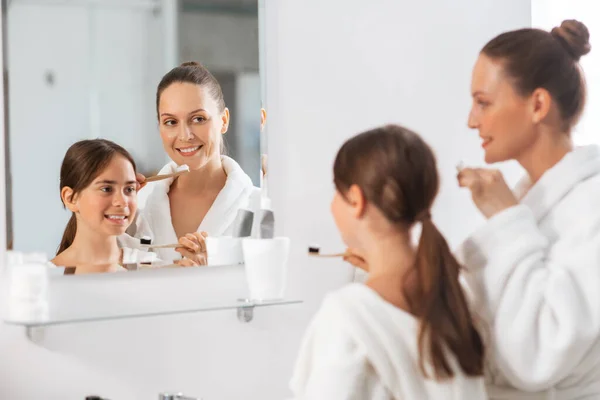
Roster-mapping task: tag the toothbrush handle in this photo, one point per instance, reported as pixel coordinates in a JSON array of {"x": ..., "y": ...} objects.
[
  {"x": 166, "y": 176},
  {"x": 327, "y": 255},
  {"x": 162, "y": 246}
]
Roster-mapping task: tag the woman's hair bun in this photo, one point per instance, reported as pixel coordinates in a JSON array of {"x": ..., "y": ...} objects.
[
  {"x": 190, "y": 64},
  {"x": 574, "y": 36}
]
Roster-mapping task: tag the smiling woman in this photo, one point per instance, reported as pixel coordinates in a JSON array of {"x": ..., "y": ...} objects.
[{"x": 192, "y": 119}]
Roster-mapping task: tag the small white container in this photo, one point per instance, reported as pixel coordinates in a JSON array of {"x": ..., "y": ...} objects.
[
  {"x": 29, "y": 282},
  {"x": 28, "y": 293},
  {"x": 224, "y": 250},
  {"x": 266, "y": 267}
]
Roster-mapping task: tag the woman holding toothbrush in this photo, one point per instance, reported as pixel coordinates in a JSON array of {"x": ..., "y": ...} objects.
[
  {"x": 192, "y": 119},
  {"x": 534, "y": 267}
]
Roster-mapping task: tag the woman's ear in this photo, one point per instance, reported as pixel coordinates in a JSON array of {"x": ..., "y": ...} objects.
[
  {"x": 225, "y": 120},
  {"x": 356, "y": 198},
  {"x": 69, "y": 199},
  {"x": 541, "y": 102},
  {"x": 263, "y": 118}
]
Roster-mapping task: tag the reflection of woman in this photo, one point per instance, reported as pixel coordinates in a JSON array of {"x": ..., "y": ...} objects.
[
  {"x": 193, "y": 118},
  {"x": 98, "y": 185},
  {"x": 407, "y": 333},
  {"x": 535, "y": 265}
]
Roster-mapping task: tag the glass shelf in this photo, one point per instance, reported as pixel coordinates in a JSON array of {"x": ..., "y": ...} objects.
[{"x": 245, "y": 309}]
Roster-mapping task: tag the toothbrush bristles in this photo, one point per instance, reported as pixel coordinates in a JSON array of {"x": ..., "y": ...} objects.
[{"x": 314, "y": 250}]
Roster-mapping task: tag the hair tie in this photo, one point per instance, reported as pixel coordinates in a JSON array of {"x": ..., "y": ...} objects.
[{"x": 424, "y": 216}]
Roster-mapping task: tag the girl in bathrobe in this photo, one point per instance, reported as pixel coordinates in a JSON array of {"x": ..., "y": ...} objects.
[
  {"x": 192, "y": 120},
  {"x": 534, "y": 267},
  {"x": 98, "y": 185},
  {"x": 407, "y": 333}
]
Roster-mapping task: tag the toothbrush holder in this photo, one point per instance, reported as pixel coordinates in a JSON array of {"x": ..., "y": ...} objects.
[
  {"x": 224, "y": 250},
  {"x": 266, "y": 265}
]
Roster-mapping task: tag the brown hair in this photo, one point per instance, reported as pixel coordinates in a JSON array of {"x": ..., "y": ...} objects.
[
  {"x": 192, "y": 72},
  {"x": 534, "y": 59},
  {"x": 397, "y": 172},
  {"x": 83, "y": 162}
]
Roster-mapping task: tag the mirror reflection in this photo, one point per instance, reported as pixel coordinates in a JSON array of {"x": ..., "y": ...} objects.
[{"x": 134, "y": 132}]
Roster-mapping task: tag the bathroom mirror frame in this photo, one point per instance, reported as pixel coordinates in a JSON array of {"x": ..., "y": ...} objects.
[
  {"x": 6, "y": 230},
  {"x": 112, "y": 296},
  {"x": 171, "y": 57}
]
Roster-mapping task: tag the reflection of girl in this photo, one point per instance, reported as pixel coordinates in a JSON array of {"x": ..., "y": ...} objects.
[
  {"x": 535, "y": 265},
  {"x": 98, "y": 185},
  {"x": 407, "y": 333},
  {"x": 193, "y": 118}
]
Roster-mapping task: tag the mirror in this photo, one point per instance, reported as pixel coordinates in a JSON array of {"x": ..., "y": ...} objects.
[{"x": 90, "y": 69}]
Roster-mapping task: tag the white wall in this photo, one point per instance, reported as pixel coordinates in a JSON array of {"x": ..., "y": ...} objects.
[
  {"x": 546, "y": 14},
  {"x": 385, "y": 61},
  {"x": 335, "y": 68}
]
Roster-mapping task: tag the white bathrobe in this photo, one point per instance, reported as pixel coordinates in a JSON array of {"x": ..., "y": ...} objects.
[
  {"x": 154, "y": 215},
  {"x": 360, "y": 347},
  {"x": 534, "y": 273}
]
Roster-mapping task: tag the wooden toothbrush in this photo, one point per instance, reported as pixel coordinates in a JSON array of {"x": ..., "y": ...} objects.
[
  {"x": 182, "y": 169},
  {"x": 162, "y": 246},
  {"x": 146, "y": 243},
  {"x": 315, "y": 251}
]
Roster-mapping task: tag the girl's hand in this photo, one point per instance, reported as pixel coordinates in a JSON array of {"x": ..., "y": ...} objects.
[
  {"x": 356, "y": 260},
  {"x": 141, "y": 181}
]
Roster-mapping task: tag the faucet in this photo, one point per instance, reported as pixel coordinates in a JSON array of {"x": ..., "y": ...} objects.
[{"x": 175, "y": 396}]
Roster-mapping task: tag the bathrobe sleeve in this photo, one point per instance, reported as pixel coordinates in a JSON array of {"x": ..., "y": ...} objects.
[
  {"x": 331, "y": 366},
  {"x": 542, "y": 295}
]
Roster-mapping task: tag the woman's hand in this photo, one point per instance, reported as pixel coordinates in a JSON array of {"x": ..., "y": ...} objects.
[
  {"x": 489, "y": 190},
  {"x": 194, "y": 249},
  {"x": 356, "y": 260},
  {"x": 185, "y": 262},
  {"x": 141, "y": 181}
]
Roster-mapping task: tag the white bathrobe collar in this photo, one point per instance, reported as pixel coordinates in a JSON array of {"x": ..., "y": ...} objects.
[
  {"x": 575, "y": 167},
  {"x": 219, "y": 217}
]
